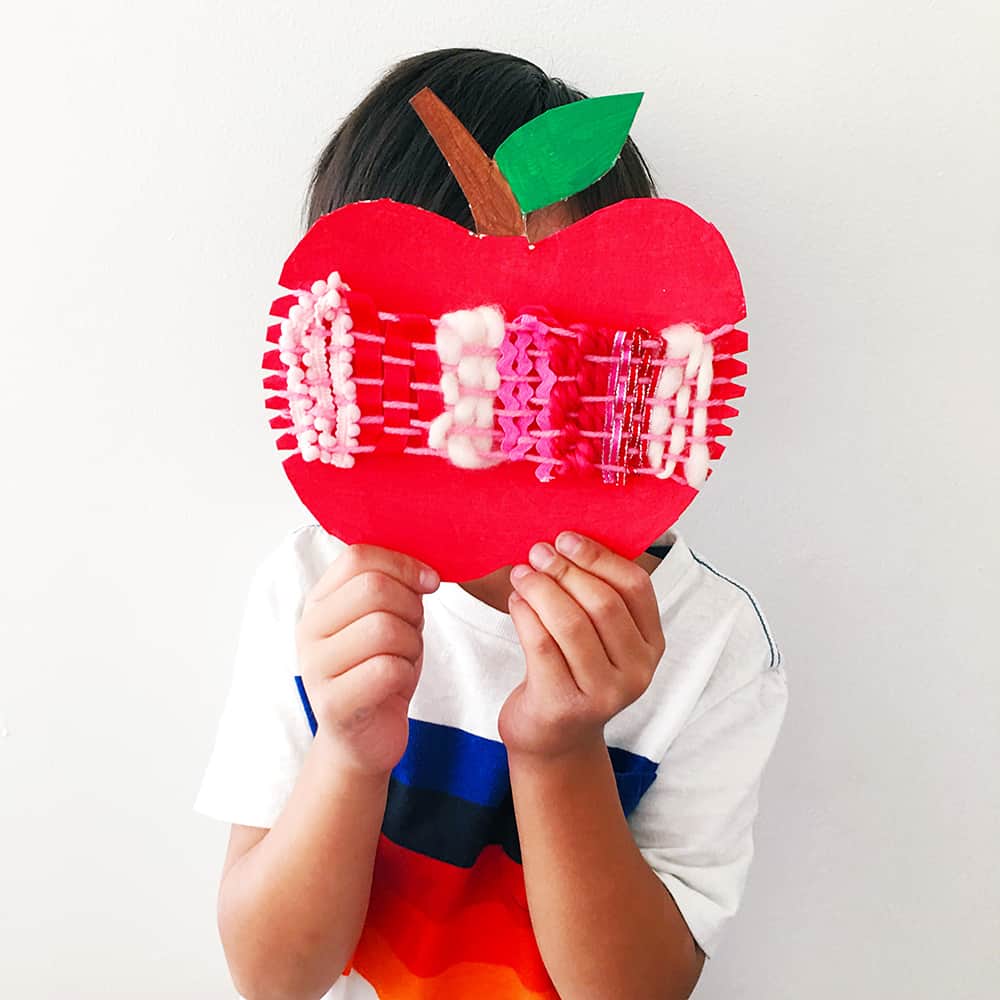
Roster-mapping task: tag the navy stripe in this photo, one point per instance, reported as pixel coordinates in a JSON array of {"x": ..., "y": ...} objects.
[
  {"x": 775, "y": 652},
  {"x": 452, "y": 830},
  {"x": 660, "y": 551},
  {"x": 421, "y": 816}
]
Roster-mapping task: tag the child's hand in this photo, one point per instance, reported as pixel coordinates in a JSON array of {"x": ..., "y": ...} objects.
[
  {"x": 590, "y": 629},
  {"x": 361, "y": 651}
]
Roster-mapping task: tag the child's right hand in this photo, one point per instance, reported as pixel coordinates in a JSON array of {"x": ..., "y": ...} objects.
[{"x": 360, "y": 652}]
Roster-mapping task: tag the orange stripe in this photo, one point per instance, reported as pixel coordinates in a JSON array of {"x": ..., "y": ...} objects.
[
  {"x": 391, "y": 980},
  {"x": 438, "y": 917}
]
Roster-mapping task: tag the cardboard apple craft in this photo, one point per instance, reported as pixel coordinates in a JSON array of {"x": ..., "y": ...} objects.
[{"x": 459, "y": 396}]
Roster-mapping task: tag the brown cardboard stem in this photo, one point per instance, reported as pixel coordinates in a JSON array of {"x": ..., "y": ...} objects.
[{"x": 494, "y": 208}]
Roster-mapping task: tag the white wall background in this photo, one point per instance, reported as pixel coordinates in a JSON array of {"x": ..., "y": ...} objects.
[{"x": 156, "y": 157}]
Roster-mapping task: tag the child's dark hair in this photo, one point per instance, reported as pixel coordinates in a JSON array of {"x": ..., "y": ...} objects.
[{"x": 383, "y": 150}]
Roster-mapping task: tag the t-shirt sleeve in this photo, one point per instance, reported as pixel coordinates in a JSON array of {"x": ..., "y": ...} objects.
[
  {"x": 263, "y": 733},
  {"x": 694, "y": 824}
]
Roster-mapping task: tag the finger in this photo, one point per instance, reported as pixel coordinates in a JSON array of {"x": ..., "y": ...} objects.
[
  {"x": 367, "y": 685},
  {"x": 369, "y": 591},
  {"x": 630, "y": 580},
  {"x": 377, "y": 634},
  {"x": 568, "y": 624},
  {"x": 357, "y": 559},
  {"x": 547, "y": 670},
  {"x": 608, "y": 613}
]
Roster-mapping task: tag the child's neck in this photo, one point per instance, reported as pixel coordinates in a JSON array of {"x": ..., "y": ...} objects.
[{"x": 495, "y": 588}]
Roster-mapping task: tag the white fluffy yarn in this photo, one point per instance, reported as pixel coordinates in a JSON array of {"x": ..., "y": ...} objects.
[
  {"x": 672, "y": 404},
  {"x": 468, "y": 343}
]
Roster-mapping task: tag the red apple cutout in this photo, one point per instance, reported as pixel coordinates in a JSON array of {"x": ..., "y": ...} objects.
[{"x": 645, "y": 264}]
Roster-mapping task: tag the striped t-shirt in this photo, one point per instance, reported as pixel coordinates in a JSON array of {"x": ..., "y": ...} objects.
[{"x": 448, "y": 915}]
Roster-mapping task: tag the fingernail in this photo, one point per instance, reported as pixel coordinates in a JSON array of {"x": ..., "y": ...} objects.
[
  {"x": 541, "y": 555},
  {"x": 569, "y": 542},
  {"x": 519, "y": 572},
  {"x": 429, "y": 580},
  {"x": 515, "y": 598}
]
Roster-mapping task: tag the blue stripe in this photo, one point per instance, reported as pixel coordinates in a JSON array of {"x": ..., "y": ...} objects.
[
  {"x": 633, "y": 775},
  {"x": 775, "y": 652},
  {"x": 469, "y": 767},
  {"x": 305, "y": 704},
  {"x": 450, "y": 761}
]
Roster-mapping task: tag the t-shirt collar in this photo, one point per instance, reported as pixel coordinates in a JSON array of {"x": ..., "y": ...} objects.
[{"x": 482, "y": 616}]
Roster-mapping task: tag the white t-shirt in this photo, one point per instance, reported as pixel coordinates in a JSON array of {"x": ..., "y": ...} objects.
[{"x": 448, "y": 899}]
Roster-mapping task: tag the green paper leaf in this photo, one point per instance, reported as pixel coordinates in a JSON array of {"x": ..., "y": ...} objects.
[{"x": 565, "y": 149}]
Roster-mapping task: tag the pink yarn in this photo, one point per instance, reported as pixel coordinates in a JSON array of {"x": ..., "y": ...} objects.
[
  {"x": 615, "y": 411},
  {"x": 316, "y": 346},
  {"x": 576, "y": 447},
  {"x": 542, "y": 398},
  {"x": 516, "y": 391}
]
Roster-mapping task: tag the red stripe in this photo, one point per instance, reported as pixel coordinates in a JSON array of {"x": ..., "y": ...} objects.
[
  {"x": 396, "y": 389},
  {"x": 366, "y": 361}
]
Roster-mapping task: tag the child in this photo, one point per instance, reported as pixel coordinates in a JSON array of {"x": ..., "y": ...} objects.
[{"x": 539, "y": 783}]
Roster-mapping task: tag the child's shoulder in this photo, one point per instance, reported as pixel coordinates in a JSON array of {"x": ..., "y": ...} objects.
[
  {"x": 301, "y": 556},
  {"x": 729, "y": 596},
  {"x": 720, "y": 677},
  {"x": 718, "y": 635}
]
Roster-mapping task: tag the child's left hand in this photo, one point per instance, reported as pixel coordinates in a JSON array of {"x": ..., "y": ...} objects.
[{"x": 590, "y": 628}]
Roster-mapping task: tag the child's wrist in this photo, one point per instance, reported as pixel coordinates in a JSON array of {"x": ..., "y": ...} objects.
[{"x": 344, "y": 764}]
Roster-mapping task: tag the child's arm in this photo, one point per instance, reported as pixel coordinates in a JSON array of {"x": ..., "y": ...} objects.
[
  {"x": 592, "y": 638},
  {"x": 620, "y": 907},
  {"x": 604, "y": 922},
  {"x": 293, "y": 899}
]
